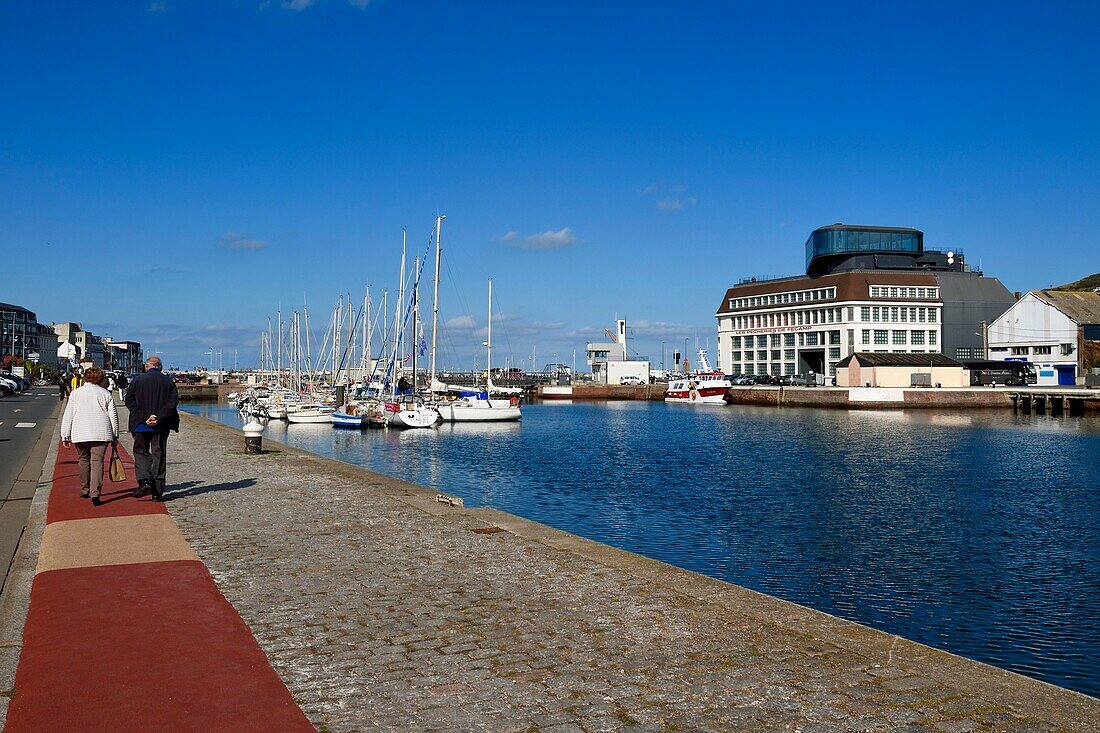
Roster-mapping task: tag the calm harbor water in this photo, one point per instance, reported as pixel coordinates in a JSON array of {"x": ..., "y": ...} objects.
[{"x": 976, "y": 532}]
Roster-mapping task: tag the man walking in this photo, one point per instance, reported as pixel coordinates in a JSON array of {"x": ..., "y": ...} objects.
[{"x": 152, "y": 399}]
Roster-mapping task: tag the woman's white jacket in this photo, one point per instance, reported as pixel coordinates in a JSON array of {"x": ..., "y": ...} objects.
[{"x": 90, "y": 415}]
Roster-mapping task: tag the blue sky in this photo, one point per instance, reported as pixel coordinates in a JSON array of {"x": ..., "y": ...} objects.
[{"x": 171, "y": 171}]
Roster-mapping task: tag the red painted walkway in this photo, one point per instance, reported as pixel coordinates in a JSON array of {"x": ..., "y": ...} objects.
[{"x": 134, "y": 645}]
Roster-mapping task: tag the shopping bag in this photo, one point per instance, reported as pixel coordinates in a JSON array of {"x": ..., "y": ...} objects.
[{"x": 118, "y": 471}]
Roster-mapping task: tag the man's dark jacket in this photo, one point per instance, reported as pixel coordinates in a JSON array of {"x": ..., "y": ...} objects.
[{"x": 153, "y": 393}]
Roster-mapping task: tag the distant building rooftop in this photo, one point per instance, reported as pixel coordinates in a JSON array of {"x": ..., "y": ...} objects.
[
  {"x": 1081, "y": 306},
  {"x": 899, "y": 360}
]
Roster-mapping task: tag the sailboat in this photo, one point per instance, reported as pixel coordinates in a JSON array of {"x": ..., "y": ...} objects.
[
  {"x": 474, "y": 405},
  {"x": 409, "y": 411}
]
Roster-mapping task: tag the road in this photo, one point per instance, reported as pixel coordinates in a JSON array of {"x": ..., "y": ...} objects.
[{"x": 27, "y": 423}]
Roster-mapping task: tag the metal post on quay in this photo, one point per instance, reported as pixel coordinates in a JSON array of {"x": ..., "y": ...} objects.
[{"x": 253, "y": 435}]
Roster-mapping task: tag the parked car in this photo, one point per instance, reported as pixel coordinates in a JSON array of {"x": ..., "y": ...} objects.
[
  {"x": 794, "y": 380},
  {"x": 631, "y": 380},
  {"x": 23, "y": 384},
  {"x": 10, "y": 384}
]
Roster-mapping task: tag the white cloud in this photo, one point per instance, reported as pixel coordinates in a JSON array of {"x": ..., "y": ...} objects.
[
  {"x": 158, "y": 6},
  {"x": 461, "y": 323},
  {"x": 240, "y": 240},
  {"x": 671, "y": 197},
  {"x": 549, "y": 239},
  {"x": 508, "y": 236},
  {"x": 675, "y": 204}
]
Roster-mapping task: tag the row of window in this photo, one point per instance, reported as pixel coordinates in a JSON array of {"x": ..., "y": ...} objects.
[
  {"x": 897, "y": 314},
  {"x": 797, "y": 296},
  {"x": 867, "y": 314},
  {"x": 1065, "y": 350},
  {"x": 790, "y": 318},
  {"x": 882, "y": 336},
  {"x": 812, "y": 338},
  {"x": 777, "y": 368},
  {"x": 883, "y": 291},
  {"x": 774, "y": 369}
]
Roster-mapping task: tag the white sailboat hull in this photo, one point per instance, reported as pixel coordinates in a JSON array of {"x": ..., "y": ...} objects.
[
  {"x": 300, "y": 418},
  {"x": 406, "y": 416},
  {"x": 479, "y": 411}
]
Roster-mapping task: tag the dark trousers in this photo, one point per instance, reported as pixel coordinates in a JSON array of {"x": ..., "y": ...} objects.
[{"x": 151, "y": 457}]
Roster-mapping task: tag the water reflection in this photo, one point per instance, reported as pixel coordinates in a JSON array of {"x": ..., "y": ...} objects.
[{"x": 977, "y": 532}]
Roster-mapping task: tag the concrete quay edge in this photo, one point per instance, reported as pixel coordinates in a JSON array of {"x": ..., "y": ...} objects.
[{"x": 1067, "y": 709}]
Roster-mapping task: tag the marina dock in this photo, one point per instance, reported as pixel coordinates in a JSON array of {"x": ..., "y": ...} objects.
[{"x": 381, "y": 608}]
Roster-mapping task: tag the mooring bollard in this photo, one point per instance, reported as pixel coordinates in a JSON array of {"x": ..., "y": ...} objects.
[{"x": 253, "y": 435}]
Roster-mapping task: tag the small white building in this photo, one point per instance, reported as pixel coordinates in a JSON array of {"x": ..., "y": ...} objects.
[
  {"x": 602, "y": 353},
  {"x": 1052, "y": 329}
]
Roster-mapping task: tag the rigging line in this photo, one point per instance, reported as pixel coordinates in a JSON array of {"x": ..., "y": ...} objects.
[
  {"x": 460, "y": 296},
  {"x": 504, "y": 327}
]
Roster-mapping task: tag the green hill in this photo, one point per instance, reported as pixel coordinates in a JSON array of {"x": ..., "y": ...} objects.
[{"x": 1085, "y": 283}]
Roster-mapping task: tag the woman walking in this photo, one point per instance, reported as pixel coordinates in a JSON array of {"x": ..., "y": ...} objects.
[{"x": 90, "y": 423}]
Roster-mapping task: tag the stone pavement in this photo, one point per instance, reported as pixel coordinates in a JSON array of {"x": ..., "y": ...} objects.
[{"x": 384, "y": 610}]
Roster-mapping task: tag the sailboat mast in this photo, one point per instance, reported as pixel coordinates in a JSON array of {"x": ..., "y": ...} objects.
[
  {"x": 279, "y": 358},
  {"x": 489, "y": 342},
  {"x": 398, "y": 327},
  {"x": 435, "y": 300},
  {"x": 416, "y": 320},
  {"x": 365, "y": 351}
]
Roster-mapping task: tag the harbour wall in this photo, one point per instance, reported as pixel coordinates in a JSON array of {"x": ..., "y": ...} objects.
[
  {"x": 197, "y": 392},
  {"x": 855, "y": 398},
  {"x": 879, "y": 398}
]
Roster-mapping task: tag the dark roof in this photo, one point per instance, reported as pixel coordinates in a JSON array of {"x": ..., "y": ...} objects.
[
  {"x": 16, "y": 308},
  {"x": 838, "y": 227},
  {"x": 898, "y": 360},
  {"x": 1081, "y": 306},
  {"x": 851, "y": 285}
]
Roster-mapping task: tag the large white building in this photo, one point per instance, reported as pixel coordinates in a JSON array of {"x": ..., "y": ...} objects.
[
  {"x": 1052, "y": 329},
  {"x": 866, "y": 289}
]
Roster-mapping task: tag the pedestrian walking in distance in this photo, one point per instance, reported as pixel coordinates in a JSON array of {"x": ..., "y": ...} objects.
[
  {"x": 62, "y": 388},
  {"x": 90, "y": 423},
  {"x": 152, "y": 399}
]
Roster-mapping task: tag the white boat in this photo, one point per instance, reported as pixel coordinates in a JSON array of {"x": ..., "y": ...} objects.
[
  {"x": 478, "y": 407},
  {"x": 474, "y": 405},
  {"x": 704, "y": 387},
  {"x": 410, "y": 414},
  {"x": 311, "y": 412}
]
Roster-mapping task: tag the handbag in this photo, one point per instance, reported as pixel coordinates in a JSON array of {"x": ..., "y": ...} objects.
[{"x": 118, "y": 471}]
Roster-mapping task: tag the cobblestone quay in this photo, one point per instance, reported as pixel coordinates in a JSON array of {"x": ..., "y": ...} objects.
[{"x": 383, "y": 609}]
